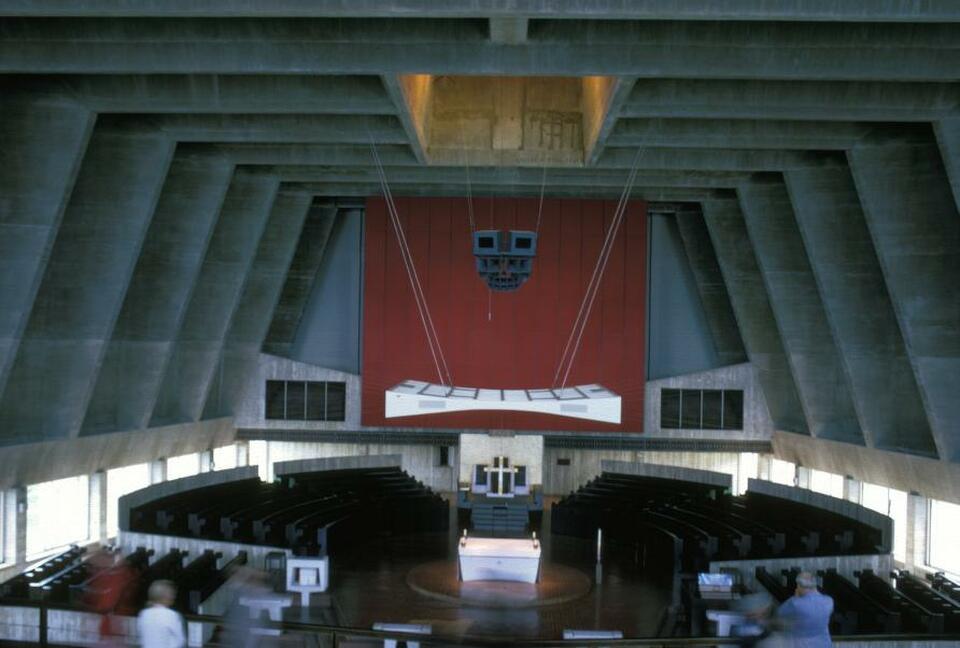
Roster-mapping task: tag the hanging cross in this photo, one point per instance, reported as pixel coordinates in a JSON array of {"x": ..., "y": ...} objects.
[{"x": 500, "y": 467}]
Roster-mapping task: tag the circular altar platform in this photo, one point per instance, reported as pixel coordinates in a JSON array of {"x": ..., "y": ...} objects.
[{"x": 439, "y": 580}]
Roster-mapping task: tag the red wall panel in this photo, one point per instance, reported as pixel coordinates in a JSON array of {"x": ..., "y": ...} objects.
[{"x": 504, "y": 340}]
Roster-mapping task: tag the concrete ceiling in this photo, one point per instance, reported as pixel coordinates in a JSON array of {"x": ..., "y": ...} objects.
[{"x": 167, "y": 167}]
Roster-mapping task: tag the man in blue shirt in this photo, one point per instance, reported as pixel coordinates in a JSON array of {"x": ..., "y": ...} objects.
[{"x": 806, "y": 615}]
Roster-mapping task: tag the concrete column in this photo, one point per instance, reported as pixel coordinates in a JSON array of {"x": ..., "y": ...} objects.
[
  {"x": 915, "y": 227},
  {"x": 43, "y": 144},
  {"x": 751, "y": 305},
  {"x": 214, "y": 298},
  {"x": 158, "y": 470},
  {"x": 156, "y": 300},
  {"x": 798, "y": 311},
  {"x": 802, "y": 479},
  {"x": 948, "y": 139},
  {"x": 80, "y": 296},
  {"x": 9, "y": 540},
  {"x": 852, "y": 489},
  {"x": 918, "y": 512},
  {"x": 98, "y": 506},
  {"x": 20, "y": 525},
  {"x": 299, "y": 281},
  {"x": 859, "y": 310},
  {"x": 243, "y": 453},
  {"x": 713, "y": 292},
  {"x": 258, "y": 299},
  {"x": 763, "y": 467},
  {"x": 206, "y": 461}
]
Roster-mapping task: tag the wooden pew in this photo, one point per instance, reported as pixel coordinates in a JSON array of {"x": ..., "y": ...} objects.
[
  {"x": 925, "y": 596},
  {"x": 915, "y": 617}
]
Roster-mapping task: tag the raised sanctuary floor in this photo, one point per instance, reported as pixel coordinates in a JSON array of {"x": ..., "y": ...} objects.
[{"x": 413, "y": 579}]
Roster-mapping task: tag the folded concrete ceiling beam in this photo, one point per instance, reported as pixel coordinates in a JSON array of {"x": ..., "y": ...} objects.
[
  {"x": 156, "y": 301},
  {"x": 778, "y": 50},
  {"x": 913, "y": 220},
  {"x": 84, "y": 282},
  {"x": 798, "y": 312},
  {"x": 859, "y": 310},
  {"x": 228, "y": 259}
]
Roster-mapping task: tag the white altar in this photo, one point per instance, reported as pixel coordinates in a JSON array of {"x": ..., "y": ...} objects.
[{"x": 503, "y": 559}]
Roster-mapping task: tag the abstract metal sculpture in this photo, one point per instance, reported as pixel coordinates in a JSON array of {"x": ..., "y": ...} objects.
[{"x": 504, "y": 258}]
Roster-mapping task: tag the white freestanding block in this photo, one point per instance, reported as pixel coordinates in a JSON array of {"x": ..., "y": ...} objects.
[
  {"x": 503, "y": 559},
  {"x": 307, "y": 575}
]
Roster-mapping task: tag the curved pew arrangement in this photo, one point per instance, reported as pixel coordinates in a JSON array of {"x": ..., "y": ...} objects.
[
  {"x": 686, "y": 525},
  {"x": 309, "y": 513},
  {"x": 199, "y": 536},
  {"x": 680, "y": 527},
  {"x": 69, "y": 579}
]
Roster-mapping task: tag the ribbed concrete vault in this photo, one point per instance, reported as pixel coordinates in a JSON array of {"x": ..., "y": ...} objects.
[{"x": 169, "y": 175}]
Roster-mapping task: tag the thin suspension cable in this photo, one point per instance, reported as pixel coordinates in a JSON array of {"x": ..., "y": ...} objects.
[
  {"x": 583, "y": 314},
  {"x": 466, "y": 162},
  {"x": 420, "y": 291},
  {"x": 614, "y": 227},
  {"x": 583, "y": 303},
  {"x": 586, "y": 318},
  {"x": 543, "y": 184},
  {"x": 433, "y": 339},
  {"x": 594, "y": 289},
  {"x": 388, "y": 197}
]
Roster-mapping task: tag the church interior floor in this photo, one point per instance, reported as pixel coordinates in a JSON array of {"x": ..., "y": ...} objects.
[{"x": 370, "y": 584}]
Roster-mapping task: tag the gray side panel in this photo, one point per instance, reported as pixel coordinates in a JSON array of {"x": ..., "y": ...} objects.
[
  {"x": 329, "y": 332},
  {"x": 679, "y": 336}
]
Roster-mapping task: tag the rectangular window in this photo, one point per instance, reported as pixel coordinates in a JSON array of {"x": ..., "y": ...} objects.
[
  {"x": 276, "y": 399},
  {"x": 225, "y": 457},
  {"x": 712, "y": 409},
  {"x": 695, "y": 409},
  {"x": 898, "y": 511},
  {"x": 670, "y": 409},
  {"x": 336, "y": 401},
  {"x": 943, "y": 551},
  {"x": 563, "y": 462},
  {"x": 690, "y": 409},
  {"x": 732, "y": 409},
  {"x": 316, "y": 401},
  {"x": 121, "y": 481},
  {"x": 782, "y": 472},
  {"x": 58, "y": 514},
  {"x": 186, "y": 465},
  {"x": 298, "y": 400},
  {"x": 444, "y": 459},
  {"x": 826, "y": 483}
]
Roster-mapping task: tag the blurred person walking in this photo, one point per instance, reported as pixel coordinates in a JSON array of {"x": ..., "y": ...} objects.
[{"x": 158, "y": 625}]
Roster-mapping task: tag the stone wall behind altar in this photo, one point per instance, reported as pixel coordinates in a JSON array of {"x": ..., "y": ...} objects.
[{"x": 522, "y": 450}]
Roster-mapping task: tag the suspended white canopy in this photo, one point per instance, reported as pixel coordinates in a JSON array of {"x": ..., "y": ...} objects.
[{"x": 590, "y": 402}]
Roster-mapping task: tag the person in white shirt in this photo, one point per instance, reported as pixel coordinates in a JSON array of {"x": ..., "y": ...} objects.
[{"x": 158, "y": 625}]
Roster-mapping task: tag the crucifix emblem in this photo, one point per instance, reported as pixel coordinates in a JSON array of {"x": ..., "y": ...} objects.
[{"x": 501, "y": 466}]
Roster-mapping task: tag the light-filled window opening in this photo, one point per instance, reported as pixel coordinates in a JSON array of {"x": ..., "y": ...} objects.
[
  {"x": 748, "y": 467},
  {"x": 827, "y": 483},
  {"x": 893, "y": 503},
  {"x": 121, "y": 481},
  {"x": 782, "y": 472},
  {"x": 183, "y": 466},
  {"x": 58, "y": 514},
  {"x": 259, "y": 456},
  {"x": 943, "y": 551},
  {"x": 225, "y": 457},
  {"x": 3, "y": 530},
  {"x": 898, "y": 511}
]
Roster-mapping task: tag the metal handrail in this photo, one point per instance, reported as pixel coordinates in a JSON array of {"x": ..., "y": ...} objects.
[{"x": 336, "y": 633}]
